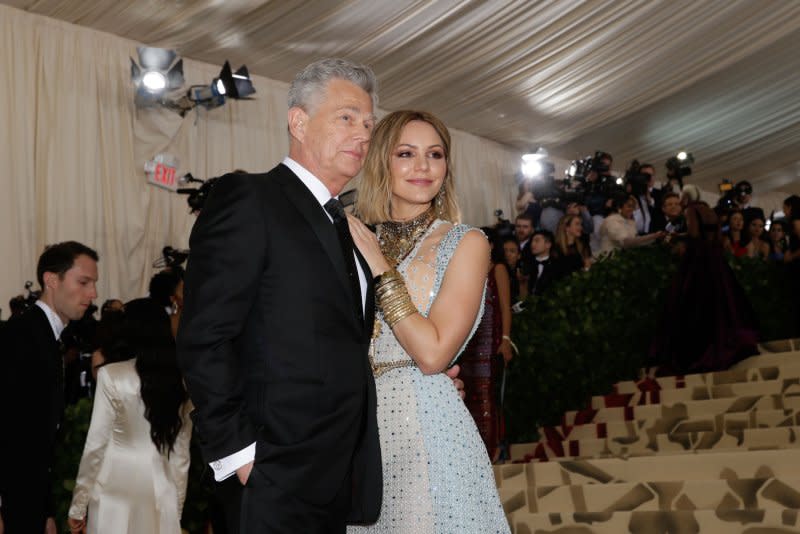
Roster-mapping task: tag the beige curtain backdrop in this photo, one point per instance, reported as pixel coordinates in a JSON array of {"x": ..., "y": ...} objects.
[{"x": 73, "y": 148}]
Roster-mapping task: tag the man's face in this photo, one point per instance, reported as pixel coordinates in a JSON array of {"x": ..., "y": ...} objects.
[
  {"x": 651, "y": 172},
  {"x": 523, "y": 228},
  {"x": 335, "y": 135},
  {"x": 540, "y": 245},
  {"x": 672, "y": 207},
  {"x": 73, "y": 292}
]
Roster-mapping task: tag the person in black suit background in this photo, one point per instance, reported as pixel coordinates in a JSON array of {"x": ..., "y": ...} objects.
[
  {"x": 32, "y": 385},
  {"x": 545, "y": 269},
  {"x": 277, "y": 320}
]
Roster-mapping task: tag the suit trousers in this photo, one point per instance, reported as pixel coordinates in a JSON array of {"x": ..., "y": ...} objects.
[{"x": 261, "y": 507}]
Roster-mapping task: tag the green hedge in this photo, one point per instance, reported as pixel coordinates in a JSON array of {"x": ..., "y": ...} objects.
[{"x": 595, "y": 328}]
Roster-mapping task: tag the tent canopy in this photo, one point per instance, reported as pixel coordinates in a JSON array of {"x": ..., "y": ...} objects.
[{"x": 639, "y": 79}]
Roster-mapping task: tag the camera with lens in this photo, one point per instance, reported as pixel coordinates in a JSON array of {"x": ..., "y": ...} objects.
[
  {"x": 678, "y": 167},
  {"x": 637, "y": 181},
  {"x": 197, "y": 195},
  {"x": 503, "y": 227},
  {"x": 590, "y": 182}
]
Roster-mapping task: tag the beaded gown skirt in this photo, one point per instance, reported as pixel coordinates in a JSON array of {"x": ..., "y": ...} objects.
[{"x": 437, "y": 477}]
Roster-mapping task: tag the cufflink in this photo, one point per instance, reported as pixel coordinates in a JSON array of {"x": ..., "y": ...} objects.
[{"x": 216, "y": 466}]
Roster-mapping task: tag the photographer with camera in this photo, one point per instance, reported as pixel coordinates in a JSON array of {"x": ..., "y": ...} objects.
[
  {"x": 640, "y": 182},
  {"x": 742, "y": 197}
]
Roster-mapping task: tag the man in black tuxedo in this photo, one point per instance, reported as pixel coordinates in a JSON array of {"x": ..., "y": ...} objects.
[
  {"x": 32, "y": 385},
  {"x": 544, "y": 268},
  {"x": 278, "y": 314}
]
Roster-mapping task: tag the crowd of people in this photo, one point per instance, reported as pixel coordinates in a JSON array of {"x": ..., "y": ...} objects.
[
  {"x": 634, "y": 212},
  {"x": 315, "y": 356}
]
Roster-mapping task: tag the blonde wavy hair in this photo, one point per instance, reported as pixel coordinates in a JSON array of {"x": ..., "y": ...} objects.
[
  {"x": 562, "y": 241},
  {"x": 374, "y": 203}
]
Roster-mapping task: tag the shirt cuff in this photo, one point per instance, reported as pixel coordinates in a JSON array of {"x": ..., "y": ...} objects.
[{"x": 226, "y": 467}]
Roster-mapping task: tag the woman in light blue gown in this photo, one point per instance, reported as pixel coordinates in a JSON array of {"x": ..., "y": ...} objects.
[{"x": 429, "y": 296}]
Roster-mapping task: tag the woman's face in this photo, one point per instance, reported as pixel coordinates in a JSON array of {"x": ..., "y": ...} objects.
[
  {"x": 511, "y": 252},
  {"x": 575, "y": 228},
  {"x": 776, "y": 233},
  {"x": 736, "y": 222},
  {"x": 756, "y": 228},
  {"x": 628, "y": 208},
  {"x": 418, "y": 166}
]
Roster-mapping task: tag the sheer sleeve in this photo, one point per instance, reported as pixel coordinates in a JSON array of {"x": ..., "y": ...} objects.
[{"x": 100, "y": 432}]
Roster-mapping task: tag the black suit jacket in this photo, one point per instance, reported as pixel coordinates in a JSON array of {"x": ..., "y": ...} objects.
[
  {"x": 272, "y": 343},
  {"x": 553, "y": 270},
  {"x": 31, "y": 410}
]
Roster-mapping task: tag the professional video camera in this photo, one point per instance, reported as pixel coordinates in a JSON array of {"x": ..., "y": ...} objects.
[
  {"x": 20, "y": 303},
  {"x": 503, "y": 227},
  {"x": 678, "y": 167},
  {"x": 638, "y": 181},
  {"x": 197, "y": 195},
  {"x": 590, "y": 182},
  {"x": 171, "y": 258}
]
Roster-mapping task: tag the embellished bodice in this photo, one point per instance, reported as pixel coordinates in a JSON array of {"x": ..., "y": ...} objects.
[{"x": 423, "y": 270}]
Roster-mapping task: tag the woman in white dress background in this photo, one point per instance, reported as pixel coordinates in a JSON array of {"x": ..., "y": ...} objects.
[{"x": 133, "y": 472}]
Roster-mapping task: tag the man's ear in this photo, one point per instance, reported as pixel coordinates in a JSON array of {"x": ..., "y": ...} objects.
[
  {"x": 298, "y": 120},
  {"x": 49, "y": 280}
]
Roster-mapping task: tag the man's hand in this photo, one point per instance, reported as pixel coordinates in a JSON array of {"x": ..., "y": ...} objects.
[
  {"x": 50, "y": 526},
  {"x": 2, "y": 527},
  {"x": 244, "y": 472},
  {"x": 76, "y": 525},
  {"x": 457, "y": 382}
]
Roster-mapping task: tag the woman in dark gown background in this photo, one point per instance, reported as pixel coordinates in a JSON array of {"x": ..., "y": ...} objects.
[{"x": 708, "y": 324}]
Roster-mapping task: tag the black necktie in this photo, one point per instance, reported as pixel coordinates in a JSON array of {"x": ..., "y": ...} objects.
[{"x": 336, "y": 210}]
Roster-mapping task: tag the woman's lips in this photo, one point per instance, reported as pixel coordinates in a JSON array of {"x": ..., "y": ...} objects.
[{"x": 420, "y": 182}]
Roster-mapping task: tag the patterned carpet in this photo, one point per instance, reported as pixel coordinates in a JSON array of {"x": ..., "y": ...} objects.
[{"x": 706, "y": 453}]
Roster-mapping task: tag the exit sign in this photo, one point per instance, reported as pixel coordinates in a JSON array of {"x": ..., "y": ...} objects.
[{"x": 162, "y": 171}]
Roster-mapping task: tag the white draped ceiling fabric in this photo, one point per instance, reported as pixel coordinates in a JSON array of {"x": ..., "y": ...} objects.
[
  {"x": 637, "y": 78},
  {"x": 73, "y": 148}
]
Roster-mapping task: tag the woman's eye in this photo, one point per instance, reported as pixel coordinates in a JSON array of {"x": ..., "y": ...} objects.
[
  {"x": 404, "y": 154},
  {"x": 436, "y": 155},
  {"x": 346, "y": 117}
]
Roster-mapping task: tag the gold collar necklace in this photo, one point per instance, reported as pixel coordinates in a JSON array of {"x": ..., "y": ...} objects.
[{"x": 398, "y": 238}]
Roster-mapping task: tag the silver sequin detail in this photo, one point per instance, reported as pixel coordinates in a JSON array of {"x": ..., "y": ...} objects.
[{"x": 437, "y": 477}]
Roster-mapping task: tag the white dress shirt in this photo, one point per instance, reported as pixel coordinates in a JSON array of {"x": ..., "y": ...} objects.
[
  {"x": 52, "y": 317},
  {"x": 226, "y": 467}
]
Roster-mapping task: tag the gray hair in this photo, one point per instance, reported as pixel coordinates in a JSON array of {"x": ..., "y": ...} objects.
[{"x": 310, "y": 83}]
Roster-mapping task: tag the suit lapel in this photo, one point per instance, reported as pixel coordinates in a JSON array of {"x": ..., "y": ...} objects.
[{"x": 313, "y": 213}]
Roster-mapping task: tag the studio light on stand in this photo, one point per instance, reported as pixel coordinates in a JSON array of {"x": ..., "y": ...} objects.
[
  {"x": 228, "y": 84},
  {"x": 156, "y": 74}
]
